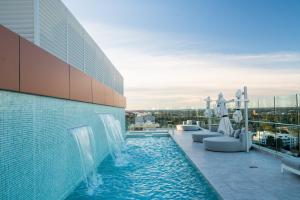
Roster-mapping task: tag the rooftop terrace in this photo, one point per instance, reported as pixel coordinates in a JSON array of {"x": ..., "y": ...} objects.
[{"x": 233, "y": 175}]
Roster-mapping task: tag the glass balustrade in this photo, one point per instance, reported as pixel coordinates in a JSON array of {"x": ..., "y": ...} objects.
[{"x": 274, "y": 121}]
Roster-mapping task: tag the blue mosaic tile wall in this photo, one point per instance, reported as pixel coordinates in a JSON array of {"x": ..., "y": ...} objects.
[{"x": 38, "y": 156}]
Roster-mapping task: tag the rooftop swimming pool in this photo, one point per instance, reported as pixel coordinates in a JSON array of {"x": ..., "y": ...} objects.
[{"x": 153, "y": 168}]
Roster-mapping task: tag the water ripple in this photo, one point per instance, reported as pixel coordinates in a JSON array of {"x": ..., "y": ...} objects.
[{"x": 156, "y": 169}]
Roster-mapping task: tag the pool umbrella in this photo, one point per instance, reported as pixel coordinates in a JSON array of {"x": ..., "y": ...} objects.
[
  {"x": 225, "y": 124},
  {"x": 237, "y": 115},
  {"x": 208, "y": 112}
]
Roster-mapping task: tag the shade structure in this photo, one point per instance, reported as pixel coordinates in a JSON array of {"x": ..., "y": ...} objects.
[
  {"x": 237, "y": 115},
  {"x": 225, "y": 124},
  {"x": 208, "y": 112},
  {"x": 221, "y": 108}
]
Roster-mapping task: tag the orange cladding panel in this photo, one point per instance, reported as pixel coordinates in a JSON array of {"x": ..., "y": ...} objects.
[
  {"x": 9, "y": 60},
  {"x": 41, "y": 72},
  {"x": 80, "y": 86}
]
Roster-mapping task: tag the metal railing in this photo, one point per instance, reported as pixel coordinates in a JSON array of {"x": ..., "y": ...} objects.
[{"x": 274, "y": 121}]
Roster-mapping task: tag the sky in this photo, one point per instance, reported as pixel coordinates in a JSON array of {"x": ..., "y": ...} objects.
[{"x": 174, "y": 53}]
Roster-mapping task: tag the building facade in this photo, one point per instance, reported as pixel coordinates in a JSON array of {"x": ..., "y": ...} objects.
[
  {"x": 51, "y": 26},
  {"x": 53, "y": 78},
  {"x": 288, "y": 140}
]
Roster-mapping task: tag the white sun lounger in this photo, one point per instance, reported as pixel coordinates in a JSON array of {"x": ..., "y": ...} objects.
[
  {"x": 226, "y": 143},
  {"x": 198, "y": 137}
]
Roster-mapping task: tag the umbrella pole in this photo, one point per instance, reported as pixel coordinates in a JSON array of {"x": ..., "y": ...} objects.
[
  {"x": 209, "y": 117},
  {"x": 208, "y": 109},
  {"x": 246, "y": 116}
]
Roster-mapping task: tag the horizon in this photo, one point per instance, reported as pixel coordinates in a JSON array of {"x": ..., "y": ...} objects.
[{"x": 173, "y": 54}]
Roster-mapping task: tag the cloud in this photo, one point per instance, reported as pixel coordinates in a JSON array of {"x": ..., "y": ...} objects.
[{"x": 161, "y": 71}]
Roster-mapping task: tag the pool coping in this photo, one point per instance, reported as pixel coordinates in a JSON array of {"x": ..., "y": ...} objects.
[
  {"x": 195, "y": 166},
  {"x": 135, "y": 135},
  {"x": 240, "y": 176}
]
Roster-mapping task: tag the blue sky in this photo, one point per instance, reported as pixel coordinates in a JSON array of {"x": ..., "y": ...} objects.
[{"x": 173, "y": 53}]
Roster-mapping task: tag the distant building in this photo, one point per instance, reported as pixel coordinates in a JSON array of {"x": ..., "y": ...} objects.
[
  {"x": 139, "y": 119},
  {"x": 149, "y": 118},
  {"x": 287, "y": 139},
  {"x": 144, "y": 120}
]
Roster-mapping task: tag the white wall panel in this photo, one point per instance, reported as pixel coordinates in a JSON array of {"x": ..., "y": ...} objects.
[
  {"x": 75, "y": 42},
  {"x": 51, "y": 25},
  {"x": 106, "y": 71},
  {"x": 89, "y": 55},
  {"x": 53, "y": 28},
  {"x": 99, "y": 69},
  {"x": 18, "y": 16}
]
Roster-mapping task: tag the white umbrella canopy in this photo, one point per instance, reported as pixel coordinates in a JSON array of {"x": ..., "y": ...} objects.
[
  {"x": 237, "y": 115},
  {"x": 225, "y": 124},
  {"x": 208, "y": 112}
]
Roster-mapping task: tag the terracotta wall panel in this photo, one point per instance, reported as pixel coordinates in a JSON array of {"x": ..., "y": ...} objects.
[
  {"x": 111, "y": 102},
  {"x": 80, "y": 86},
  {"x": 119, "y": 103},
  {"x": 42, "y": 73},
  {"x": 115, "y": 101},
  {"x": 9, "y": 60},
  {"x": 98, "y": 92},
  {"x": 123, "y": 102},
  {"x": 108, "y": 96},
  {"x": 118, "y": 100},
  {"x": 28, "y": 68},
  {"x": 113, "y": 98}
]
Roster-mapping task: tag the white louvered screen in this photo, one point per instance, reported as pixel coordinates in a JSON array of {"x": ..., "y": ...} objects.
[
  {"x": 53, "y": 28},
  {"x": 99, "y": 69},
  {"x": 89, "y": 55},
  {"x": 75, "y": 43},
  {"x": 18, "y": 16},
  {"x": 106, "y": 71},
  {"x": 51, "y": 25}
]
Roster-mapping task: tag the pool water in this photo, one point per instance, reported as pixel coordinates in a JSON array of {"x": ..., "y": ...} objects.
[{"x": 156, "y": 169}]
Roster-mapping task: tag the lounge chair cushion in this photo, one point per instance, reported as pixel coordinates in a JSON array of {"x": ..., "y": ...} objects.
[
  {"x": 231, "y": 134},
  {"x": 292, "y": 162},
  {"x": 223, "y": 144},
  {"x": 214, "y": 128},
  {"x": 198, "y": 137},
  {"x": 237, "y": 133}
]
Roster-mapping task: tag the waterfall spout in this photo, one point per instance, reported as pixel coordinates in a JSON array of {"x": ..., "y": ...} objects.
[
  {"x": 115, "y": 139},
  {"x": 85, "y": 141}
]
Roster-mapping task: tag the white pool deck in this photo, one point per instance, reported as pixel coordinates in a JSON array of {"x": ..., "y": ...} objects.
[{"x": 230, "y": 173}]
